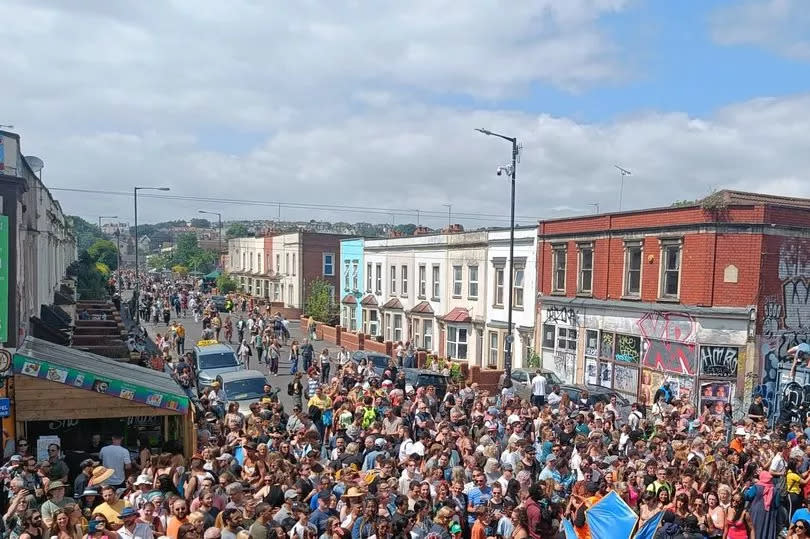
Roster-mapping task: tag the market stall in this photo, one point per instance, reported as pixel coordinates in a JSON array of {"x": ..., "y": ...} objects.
[{"x": 74, "y": 395}]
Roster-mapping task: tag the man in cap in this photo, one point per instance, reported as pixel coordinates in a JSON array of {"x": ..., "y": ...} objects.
[
  {"x": 133, "y": 529},
  {"x": 285, "y": 515}
]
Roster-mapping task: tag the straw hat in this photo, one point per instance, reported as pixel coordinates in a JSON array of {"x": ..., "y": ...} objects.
[
  {"x": 353, "y": 492},
  {"x": 53, "y": 485},
  {"x": 100, "y": 474}
]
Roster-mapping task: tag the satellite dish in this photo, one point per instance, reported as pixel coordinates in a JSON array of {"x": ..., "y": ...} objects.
[{"x": 35, "y": 163}]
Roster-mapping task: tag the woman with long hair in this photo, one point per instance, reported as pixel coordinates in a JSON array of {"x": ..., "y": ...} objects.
[
  {"x": 33, "y": 528},
  {"x": 799, "y": 530},
  {"x": 520, "y": 519},
  {"x": 61, "y": 529},
  {"x": 716, "y": 521},
  {"x": 188, "y": 531},
  {"x": 649, "y": 506},
  {"x": 738, "y": 521}
]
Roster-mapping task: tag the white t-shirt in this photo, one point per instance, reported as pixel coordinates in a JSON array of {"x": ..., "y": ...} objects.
[
  {"x": 778, "y": 464},
  {"x": 539, "y": 385},
  {"x": 116, "y": 458}
]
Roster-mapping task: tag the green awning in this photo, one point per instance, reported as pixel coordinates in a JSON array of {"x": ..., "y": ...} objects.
[
  {"x": 213, "y": 275},
  {"x": 83, "y": 370}
]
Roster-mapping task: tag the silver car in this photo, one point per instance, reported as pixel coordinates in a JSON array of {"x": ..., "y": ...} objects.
[
  {"x": 243, "y": 387},
  {"x": 522, "y": 381},
  {"x": 213, "y": 359}
]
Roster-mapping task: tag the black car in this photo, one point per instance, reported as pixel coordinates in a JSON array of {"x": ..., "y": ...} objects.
[
  {"x": 596, "y": 394},
  {"x": 424, "y": 378},
  {"x": 219, "y": 302},
  {"x": 379, "y": 362}
]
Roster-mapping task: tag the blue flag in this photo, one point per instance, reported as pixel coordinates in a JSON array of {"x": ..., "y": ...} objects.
[
  {"x": 568, "y": 528},
  {"x": 611, "y": 518},
  {"x": 647, "y": 531}
]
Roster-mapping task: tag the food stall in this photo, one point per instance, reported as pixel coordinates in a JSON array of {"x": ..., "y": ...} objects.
[{"x": 71, "y": 394}]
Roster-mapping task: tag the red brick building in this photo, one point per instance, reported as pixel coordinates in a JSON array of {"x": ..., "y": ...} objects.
[{"x": 709, "y": 296}]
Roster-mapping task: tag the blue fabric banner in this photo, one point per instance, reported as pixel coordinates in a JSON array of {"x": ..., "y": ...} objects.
[
  {"x": 647, "y": 531},
  {"x": 611, "y": 518},
  {"x": 568, "y": 528}
]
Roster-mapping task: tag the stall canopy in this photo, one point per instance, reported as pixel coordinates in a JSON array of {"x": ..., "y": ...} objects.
[
  {"x": 213, "y": 275},
  {"x": 118, "y": 389}
]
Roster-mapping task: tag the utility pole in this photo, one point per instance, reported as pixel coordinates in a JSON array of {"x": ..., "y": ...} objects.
[{"x": 622, "y": 172}]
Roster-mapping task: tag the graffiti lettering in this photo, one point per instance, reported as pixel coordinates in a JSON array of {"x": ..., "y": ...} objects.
[
  {"x": 719, "y": 360},
  {"x": 670, "y": 341},
  {"x": 794, "y": 402},
  {"x": 564, "y": 364},
  {"x": 62, "y": 424},
  {"x": 606, "y": 345},
  {"x": 628, "y": 348},
  {"x": 562, "y": 315},
  {"x": 797, "y": 297}
]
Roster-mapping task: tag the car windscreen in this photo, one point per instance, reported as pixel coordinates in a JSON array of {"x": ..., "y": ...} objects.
[
  {"x": 380, "y": 362},
  {"x": 249, "y": 388},
  {"x": 216, "y": 361},
  {"x": 431, "y": 380},
  {"x": 552, "y": 378}
]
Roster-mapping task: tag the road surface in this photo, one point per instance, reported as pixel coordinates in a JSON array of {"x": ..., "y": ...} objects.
[{"x": 194, "y": 330}]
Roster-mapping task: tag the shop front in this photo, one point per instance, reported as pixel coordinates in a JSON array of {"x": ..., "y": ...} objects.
[
  {"x": 71, "y": 397},
  {"x": 633, "y": 348}
]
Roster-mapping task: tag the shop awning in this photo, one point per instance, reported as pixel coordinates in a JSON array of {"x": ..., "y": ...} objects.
[{"x": 98, "y": 374}]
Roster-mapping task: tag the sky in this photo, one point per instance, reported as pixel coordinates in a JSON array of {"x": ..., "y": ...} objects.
[{"x": 345, "y": 110}]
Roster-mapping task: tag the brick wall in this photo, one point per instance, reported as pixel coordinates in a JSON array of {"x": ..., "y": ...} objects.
[{"x": 313, "y": 248}]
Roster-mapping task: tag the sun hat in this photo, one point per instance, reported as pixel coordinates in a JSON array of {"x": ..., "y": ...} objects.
[
  {"x": 89, "y": 492},
  {"x": 101, "y": 474},
  {"x": 353, "y": 492},
  {"x": 16, "y": 458},
  {"x": 143, "y": 479},
  {"x": 740, "y": 431},
  {"x": 290, "y": 494},
  {"x": 224, "y": 456},
  {"x": 128, "y": 512},
  {"x": 53, "y": 485},
  {"x": 210, "y": 417}
]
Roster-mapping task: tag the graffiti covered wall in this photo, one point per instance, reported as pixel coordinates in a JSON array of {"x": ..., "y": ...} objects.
[{"x": 784, "y": 321}]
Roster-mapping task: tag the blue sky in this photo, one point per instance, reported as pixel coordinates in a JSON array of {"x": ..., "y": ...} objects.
[{"x": 336, "y": 103}]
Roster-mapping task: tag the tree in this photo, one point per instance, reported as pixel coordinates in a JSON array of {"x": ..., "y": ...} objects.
[
  {"x": 202, "y": 261},
  {"x": 320, "y": 304},
  {"x": 200, "y": 223},
  {"x": 90, "y": 282},
  {"x": 180, "y": 270},
  {"x": 237, "y": 230},
  {"x": 106, "y": 252},
  {"x": 185, "y": 247},
  {"x": 225, "y": 284},
  {"x": 158, "y": 261},
  {"x": 86, "y": 233}
]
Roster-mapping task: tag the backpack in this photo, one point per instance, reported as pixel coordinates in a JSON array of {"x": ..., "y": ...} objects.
[{"x": 290, "y": 390}]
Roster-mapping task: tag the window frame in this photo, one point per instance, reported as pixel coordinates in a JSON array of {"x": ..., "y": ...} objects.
[
  {"x": 559, "y": 252},
  {"x": 435, "y": 282},
  {"x": 346, "y": 275},
  {"x": 324, "y": 257},
  {"x": 629, "y": 248},
  {"x": 458, "y": 280},
  {"x": 472, "y": 268},
  {"x": 455, "y": 343},
  {"x": 494, "y": 349},
  {"x": 422, "y": 292},
  {"x": 582, "y": 248},
  {"x": 403, "y": 277},
  {"x": 397, "y": 328},
  {"x": 515, "y": 288},
  {"x": 355, "y": 274},
  {"x": 498, "y": 294},
  {"x": 392, "y": 280},
  {"x": 427, "y": 336},
  {"x": 378, "y": 278},
  {"x": 665, "y": 246},
  {"x": 369, "y": 277}
]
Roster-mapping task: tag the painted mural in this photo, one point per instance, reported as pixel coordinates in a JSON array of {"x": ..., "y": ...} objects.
[{"x": 786, "y": 323}]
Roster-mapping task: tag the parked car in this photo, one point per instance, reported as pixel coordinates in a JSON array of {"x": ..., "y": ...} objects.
[
  {"x": 211, "y": 360},
  {"x": 219, "y": 303},
  {"x": 522, "y": 381},
  {"x": 424, "y": 378},
  {"x": 379, "y": 362},
  {"x": 596, "y": 394},
  {"x": 243, "y": 387}
]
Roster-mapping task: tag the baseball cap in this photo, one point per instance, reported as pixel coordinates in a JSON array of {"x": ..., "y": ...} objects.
[{"x": 290, "y": 494}]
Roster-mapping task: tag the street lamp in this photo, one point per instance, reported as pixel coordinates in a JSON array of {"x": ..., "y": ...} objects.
[
  {"x": 100, "y": 217},
  {"x": 137, "y": 269},
  {"x": 219, "y": 217},
  {"x": 507, "y": 361}
]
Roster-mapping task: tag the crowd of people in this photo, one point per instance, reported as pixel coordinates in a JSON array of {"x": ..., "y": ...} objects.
[{"x": 363, "y": 454}]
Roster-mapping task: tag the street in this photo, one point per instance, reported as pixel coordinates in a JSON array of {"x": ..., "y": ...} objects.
[{"x": 194, "y": 330}]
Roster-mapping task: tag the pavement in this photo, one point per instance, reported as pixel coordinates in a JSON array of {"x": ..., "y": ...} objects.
[{"x": 194, "y": 330}]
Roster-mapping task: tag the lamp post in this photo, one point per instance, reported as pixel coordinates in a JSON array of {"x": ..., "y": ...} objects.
[
  {"x": 219, "y": 218},
  {"x": 137, "y": 295},
  {"x": 507, "y": 360},
  {"x": 117, "y": 235}
]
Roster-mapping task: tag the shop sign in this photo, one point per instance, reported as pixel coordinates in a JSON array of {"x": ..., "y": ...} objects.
[
  {"x": 99, "y": 384},
  {"x": 5, "y": 407}
]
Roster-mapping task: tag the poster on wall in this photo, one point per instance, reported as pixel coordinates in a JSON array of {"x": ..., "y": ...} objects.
[
  {"x": 628, "y": 348},
  {"x": 605, "y": 374},
  {"x": 625, "y": 379},
  {"x": 715, "y": 395},
  {"x": 720, "y": 361},
  {"x": 606, "y": 345},
  {"x": 565, "y": 366},
  {"x": 591, "y": 371},
  {"x": 682, "y": 387}
]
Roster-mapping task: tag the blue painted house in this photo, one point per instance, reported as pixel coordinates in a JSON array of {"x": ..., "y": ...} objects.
[{"x": 351, "y": 283}]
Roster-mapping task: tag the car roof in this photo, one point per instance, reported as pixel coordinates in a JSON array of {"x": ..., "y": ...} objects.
[
  {"x": 241, "y": 375},
  {"x": 426, "y": 371},
  {"x": 213, "y": 349},
  {"x": 369, "y": 353}
]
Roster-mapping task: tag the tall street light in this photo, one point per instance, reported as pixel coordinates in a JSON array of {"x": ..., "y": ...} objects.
[
  {"x": 137, "y": 295},
  {"x": 507, "y": 361},
  {"x": 219, "y": 217}
]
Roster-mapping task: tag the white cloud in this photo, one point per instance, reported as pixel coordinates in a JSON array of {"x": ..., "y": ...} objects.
[
  {"x": 782, "y": 26},
  {"x": 334, "y": 103}
]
